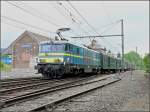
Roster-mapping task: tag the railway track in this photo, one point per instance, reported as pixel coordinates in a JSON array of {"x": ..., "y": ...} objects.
[
  {"x": 18, "y": 81},
  {"x": 51, "y": 105},
  {"x": 50, "y": 90},
  {"x": 27, "y": 84},
  {"x": 8, "y": 94}
]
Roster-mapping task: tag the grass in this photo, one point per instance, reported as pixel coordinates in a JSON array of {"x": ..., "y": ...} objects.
[{"x": 5, "y": 67}]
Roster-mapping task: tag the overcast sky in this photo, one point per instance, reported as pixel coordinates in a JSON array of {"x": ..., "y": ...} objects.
[{"x": 50, "y": 15}]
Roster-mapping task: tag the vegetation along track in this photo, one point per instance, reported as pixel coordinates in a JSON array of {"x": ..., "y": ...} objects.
[
  {"x": 36, "y": 89},
  {"x": 58, "y": 94}
]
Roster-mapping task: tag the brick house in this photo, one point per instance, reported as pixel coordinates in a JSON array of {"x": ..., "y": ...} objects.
[{"x": 25, "y": 48}]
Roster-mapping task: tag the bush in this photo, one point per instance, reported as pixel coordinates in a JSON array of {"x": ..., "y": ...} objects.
[
  {"x": 1, "y": 64},
  {"x": 147, "y": 62},
  {"x": 5, "y": 67}
]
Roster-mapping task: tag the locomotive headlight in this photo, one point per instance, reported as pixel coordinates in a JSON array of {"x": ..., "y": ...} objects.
[
  {"x": 37, "y": 60},
  {"x": 42, "y": 60}
]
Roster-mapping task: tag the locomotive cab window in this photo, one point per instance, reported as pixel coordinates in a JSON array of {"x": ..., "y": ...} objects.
[
  {"x": 46, "y": 48},
  {"x": 68, "y": 47}
]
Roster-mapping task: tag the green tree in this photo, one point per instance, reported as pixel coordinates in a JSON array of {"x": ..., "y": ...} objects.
[
  {"x": 135, "y": 59},
  {"x": 146, "y": 61}
]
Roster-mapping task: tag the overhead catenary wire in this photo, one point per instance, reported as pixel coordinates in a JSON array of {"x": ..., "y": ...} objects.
[
  {"x": 33, "y": 14},
  {"x": 73, "y": 19},
  {"x": 107, "y": 12},
  {"x": 19, "y": 27},
  {"x": 41, "y": 13},
  {"x": 16, "y": 26},
  {"x": 38, "y": 12},
  {"x": 109, "y": 28},
  {"x": 108, "y": 25},
  {"x": 83, "y": 18},
  {"x": 35, "y": 27},
  {"x": 61, "y": 12},
  {"x": 70, "y": 14},
  {"x": 45, "y": 16},
  {"x": 88, "y": 23},
  {"x": 111, "y": 23}
]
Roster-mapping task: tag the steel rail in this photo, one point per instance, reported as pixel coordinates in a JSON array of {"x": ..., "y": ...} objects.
[
  {"x": 21, "y": 83},
  {"x": 72, "y": 96},
  {"x": 39, "y": 92},
  {"x": 10, "y": 81},
  {"x": 3, "y": 91}
]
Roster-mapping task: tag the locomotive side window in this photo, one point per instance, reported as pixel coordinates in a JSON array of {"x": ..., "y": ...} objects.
[
  {"x": 71, "y": 47},
  {"x": 78, "y": 51},
  {"x": 68, "y": 47}
]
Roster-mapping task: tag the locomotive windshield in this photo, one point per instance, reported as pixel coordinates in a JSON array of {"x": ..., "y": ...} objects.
[{"x": 45, "y": 48}]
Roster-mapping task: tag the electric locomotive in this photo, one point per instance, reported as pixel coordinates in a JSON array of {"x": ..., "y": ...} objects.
[{"x": 61, "y": 57}]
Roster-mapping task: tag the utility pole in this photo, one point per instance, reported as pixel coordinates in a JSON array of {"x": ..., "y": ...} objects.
[
  {"x": 136, "y": 49},
  {"x": 122, "y": 38}
]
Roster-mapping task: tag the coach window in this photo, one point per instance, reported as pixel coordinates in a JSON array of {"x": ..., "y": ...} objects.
[
  {"x": 77, "y": 50},
  {"x": 71, "y": 47}
]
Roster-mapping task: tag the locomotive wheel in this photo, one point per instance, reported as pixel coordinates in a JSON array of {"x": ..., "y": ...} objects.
[
  {"x": 45, "y": 76},
  {"x": 76, "y": 72},
  {"x": 48, "y": 73},
  {"x": 60, "y": 73},
  {"x": 54, "y": 74},
  {"x": 49, "y": 76}
]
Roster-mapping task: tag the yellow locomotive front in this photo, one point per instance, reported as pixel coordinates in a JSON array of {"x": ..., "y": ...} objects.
[{"x": 50, "y": 62}]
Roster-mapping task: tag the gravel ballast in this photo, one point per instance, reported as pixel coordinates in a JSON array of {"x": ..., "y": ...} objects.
[{"x": 129, "y": 94}]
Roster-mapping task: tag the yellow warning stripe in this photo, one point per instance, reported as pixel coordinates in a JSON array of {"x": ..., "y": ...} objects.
[{"x": 51, "y": 60}]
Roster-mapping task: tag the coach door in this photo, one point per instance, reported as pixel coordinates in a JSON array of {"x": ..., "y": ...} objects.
[
  {"x": 68, "y": 54},
  {"x": 71, "y": 53}
]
